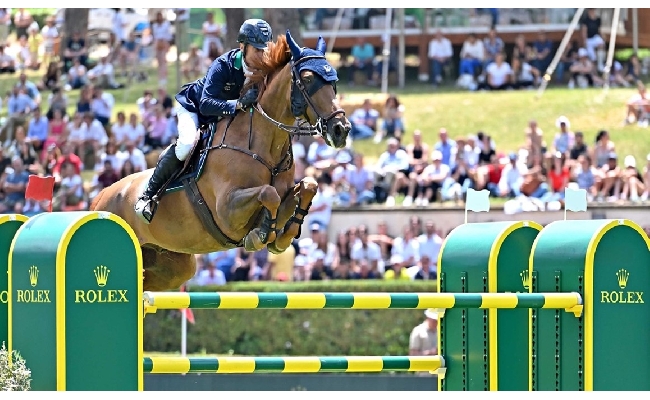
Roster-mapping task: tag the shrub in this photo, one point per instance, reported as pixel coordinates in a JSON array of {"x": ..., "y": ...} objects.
[{"x": 14, "y": 375}]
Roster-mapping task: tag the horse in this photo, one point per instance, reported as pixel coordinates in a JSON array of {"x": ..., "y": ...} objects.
[{"x": 246, "y": 188}]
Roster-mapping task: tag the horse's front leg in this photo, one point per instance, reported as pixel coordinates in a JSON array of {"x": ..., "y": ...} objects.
[
  {"x": 241, "y": 207},
  {"x": 305, "y": 191}
]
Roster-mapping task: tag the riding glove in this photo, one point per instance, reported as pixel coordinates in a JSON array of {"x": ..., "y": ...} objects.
[{"x": 248, "y": 99}]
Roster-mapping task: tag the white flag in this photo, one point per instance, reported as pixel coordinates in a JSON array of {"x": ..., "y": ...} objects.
[
  {"x": 575, "y": 200},
  {"x": 477, "y": 201}
]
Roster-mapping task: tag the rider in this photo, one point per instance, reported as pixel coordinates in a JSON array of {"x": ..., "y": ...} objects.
[{"x": 206, "y": 100}]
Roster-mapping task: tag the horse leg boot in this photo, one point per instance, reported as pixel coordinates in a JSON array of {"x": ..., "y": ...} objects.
[
  {"x": 266, "y": 232},
  {"x": 168, "y": 163},
  {"x": 305, "y": 191}
]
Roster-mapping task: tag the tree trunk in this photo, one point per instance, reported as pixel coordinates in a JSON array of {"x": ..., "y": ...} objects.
[
  {"x": 234, "y": 18},
  {"x": 282, "y": 19},
  {"x": 76, "y": 20}
]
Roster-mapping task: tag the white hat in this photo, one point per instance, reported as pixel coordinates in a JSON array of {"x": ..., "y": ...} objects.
[
  {"x": 629, "y": 161},
  {"x": 582, "y": 52},
  {"x": 561, "y": 120},
  {"x": 431, "y": 313}
]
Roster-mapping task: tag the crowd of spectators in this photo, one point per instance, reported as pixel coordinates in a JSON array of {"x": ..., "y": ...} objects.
[{"x": 41, "y": 136}]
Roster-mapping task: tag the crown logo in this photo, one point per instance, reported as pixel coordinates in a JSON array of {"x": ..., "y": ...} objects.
[
  {"x": 101, "y": 275},
  {"x": 621, "y": 276},
  {"x": 525, "y": 279},
  {"x": 33, "y": 275}
]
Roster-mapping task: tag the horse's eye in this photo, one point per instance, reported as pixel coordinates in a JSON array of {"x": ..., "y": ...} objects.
[{"x": 308, "y": 79}]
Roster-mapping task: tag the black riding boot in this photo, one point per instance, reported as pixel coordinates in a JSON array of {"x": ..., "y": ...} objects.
[{"x": 145, "y": 207}]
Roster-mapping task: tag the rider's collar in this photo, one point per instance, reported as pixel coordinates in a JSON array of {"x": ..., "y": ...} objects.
[{"x": 238, "y": 60}]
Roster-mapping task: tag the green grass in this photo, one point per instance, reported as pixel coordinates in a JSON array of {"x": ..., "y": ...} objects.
[{"x": 502, "y": 115}]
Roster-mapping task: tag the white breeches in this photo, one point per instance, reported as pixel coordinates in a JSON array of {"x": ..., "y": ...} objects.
[
  {"x": 188, "y": 127},
  {"x": 592, "y": 43}
]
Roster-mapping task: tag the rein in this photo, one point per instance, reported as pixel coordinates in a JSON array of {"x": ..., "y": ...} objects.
[{"x": 303, "y": 126}]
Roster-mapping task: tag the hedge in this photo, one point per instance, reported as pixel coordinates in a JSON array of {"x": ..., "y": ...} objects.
[{"x": 291, "y": 332}]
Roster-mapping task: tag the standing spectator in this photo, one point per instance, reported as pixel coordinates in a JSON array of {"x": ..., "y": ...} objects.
[
  {"x": 22, "y": 20},
  {"x": 162, "y": 35},
  {"x": 118, "y": 35},
  {"x": 5, "y": 22},
  {"x": 424, "y": 337},
  {"x": 440, "y": 52},
  {"x": 211, "y": 34},
  {"x": 51, "y": 40}
]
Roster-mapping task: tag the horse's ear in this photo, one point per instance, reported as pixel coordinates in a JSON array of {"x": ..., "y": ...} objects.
[
  {"x": 293, "y": 46},
  {"x": 321, "y": 46}
]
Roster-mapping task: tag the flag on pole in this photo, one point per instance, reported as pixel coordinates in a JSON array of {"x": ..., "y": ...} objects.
[
  {"x": 40, "y": 188},
  {"x": 477, "y": 201},
  {"x": 575, "y": 200},
  {"x": 189, "y": 314}
]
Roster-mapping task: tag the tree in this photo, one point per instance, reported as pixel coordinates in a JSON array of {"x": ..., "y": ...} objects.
[
  {"x": 282, "y": 19},
  {"x": 76, "y": 20},
  {"x": 234, "y": 18}
]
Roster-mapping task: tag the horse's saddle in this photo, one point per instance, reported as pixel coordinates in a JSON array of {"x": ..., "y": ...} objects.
[{"x": 194, "y": 163}]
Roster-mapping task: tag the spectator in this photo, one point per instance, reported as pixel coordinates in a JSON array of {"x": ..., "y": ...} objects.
[
  {"x": 5, "y": 22},
  {"x": 392, "y": 170},
  {"x": 96, "y": 138},
  {"x": 499, "y": 75},
  {"x": 393, "y": 119},
  {"x": 593, "y": 42},
  {"x": 320, "y": 211},
  {"x": 67, "y": 156},
  {"x": 407, "y": 246},
  {"x": 210, "y": 275},
  {"x": 77, "y": 132},
  {"x": 493, "y": 45},
  {"x": 77, "y": 76},
  {"x": 602, "y": 150},
  {"x": 363, "y": 55},
  {"x": 51, "y": 40},
  {"x": 193, "y": 67},
  {"x": 471, "y": 56},
  {"x": 281, "y": 265},
  {"x": 133, "y": 155},
  {"x": 57, "y": 101},
  {"x": 440, "y": 53},
  {"x": 319, "y": 151},
  {"x": 543, "y": 49},
  {"x": 29, "y": 87},
  {"x": 136, "y": 131},
  {"x": 20, "y": 147},
  {"x": 634, "y": 69},
  {"x": 558, "y": 179},
  {"x": 424, "y": 337},
  {"x": 646, "y": 179},
  {"x": 71, "y": 191},
  {"x": 524, "y": 75},
  {"x": 609, "y": 182},
  {"x": 211, "y": 35},
  {"x": 364, "y": 121},
  {"x": 582, "y": 72},
  {"x": 564, "y": 139},
  {"x": 579, "y": 148},
  {"x": 447, "y": 147},
  {"x": 7, "y": 62},
  {"x": 354, "y": 182},
  {"x": 14, "y": 186},
  {"x": 37, "y": 130},
  {"x": 22, "y": 20},
  {"x": 638, "y": 107},
  {"x": 57, "y": 133},
  {"x": 430, "y": 245},
  {"x": 512, "y": 177},
  {"x": 584, "y": 175},
  {"x": 75, "y": 48},
  {"x": 156, "y": 126},
  {"x": 102, "y": 75},
  {"x": 162, "y": 35},
  {"x": 366, "y": 254},
  {"x": 433, "y": 178},
  {"x": 102, "y": 105},
  {"x": 632, "y": 180}
]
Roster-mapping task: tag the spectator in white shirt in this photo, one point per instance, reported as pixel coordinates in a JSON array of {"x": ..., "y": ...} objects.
[
  {"x": 211, "y": 34},
  {"x": 77, "y": 75},
  {"x": 392, "y": 169},
  {"x": 499, "y": 75},
  {"x": 471, "y": 56},
  {"x": 96, "y": 137},
  {"x": 51, "y": 39},
  {"x": 136, "y": 131},
  {"x": 320, "y": 211},
  {"x": 440, "y": 52},
  {"x": 435, "y": 177},
  {"x": 102, "y": 105},
  {"x": 407, "y": 246},
  {"x": 77, "y": 129},
  {"x": 162, "y": 35},
  {"x": 430, "y": 244},
  {"x": 7, "y": 62},
  {"x": 133, "y": 154},
  {"x": 366, "y": 250},
  {"x": 103, "y": 75},
  {"x": 120, "y": 130},
  {"x": 512, "y": 176}
]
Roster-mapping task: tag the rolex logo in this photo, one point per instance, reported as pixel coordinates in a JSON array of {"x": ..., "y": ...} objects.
[
  {"x": 101, "y": 275},
  {"x": 525, "y": 279},
  {"x": 33, "y": 275},
  {"x": 621, "y": 276}
]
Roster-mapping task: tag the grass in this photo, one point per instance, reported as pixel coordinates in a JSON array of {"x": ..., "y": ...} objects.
[{"x": 502, "y": 115}]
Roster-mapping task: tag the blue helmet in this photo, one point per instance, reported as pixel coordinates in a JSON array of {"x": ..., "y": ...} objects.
[{"x": 255, "y": 32}]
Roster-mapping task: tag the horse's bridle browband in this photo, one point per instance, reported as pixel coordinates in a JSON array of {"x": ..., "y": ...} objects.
[{"x": 304, "y": 126}]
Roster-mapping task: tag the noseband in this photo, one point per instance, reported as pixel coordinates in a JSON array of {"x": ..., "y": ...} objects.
[{"x": 299, "y": 104}]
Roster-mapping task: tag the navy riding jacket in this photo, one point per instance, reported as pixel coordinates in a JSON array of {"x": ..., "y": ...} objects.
[{"x": 215, "y": 95}]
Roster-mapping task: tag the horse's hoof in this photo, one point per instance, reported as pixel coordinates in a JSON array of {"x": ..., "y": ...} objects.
[{"x": 252, "y": 242}]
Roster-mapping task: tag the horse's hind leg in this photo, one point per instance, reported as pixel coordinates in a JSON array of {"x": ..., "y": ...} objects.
[
  {"x": 305, "y": 190},
  {"x": 166, "y": 270}
]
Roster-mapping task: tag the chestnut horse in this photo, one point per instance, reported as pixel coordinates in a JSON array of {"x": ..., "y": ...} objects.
[{"x": 247, "y": 182}]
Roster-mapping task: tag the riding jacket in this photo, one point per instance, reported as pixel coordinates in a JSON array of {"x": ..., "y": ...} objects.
[{"x": 215, "y": 95}]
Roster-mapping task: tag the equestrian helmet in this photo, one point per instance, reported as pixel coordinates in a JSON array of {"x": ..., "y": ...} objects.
[{"x": 255, "y": 32}]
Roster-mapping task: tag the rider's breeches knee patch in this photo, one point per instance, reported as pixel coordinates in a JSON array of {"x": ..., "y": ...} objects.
[{"x": 188, "y": 125}]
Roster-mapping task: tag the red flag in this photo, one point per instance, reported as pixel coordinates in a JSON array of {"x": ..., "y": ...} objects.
[
  {"x": 189, "y": 314},
  {"x": 40, "y": 188}
]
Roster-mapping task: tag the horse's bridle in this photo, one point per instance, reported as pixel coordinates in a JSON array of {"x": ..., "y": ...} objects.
[{"x": 303, "y": 126}]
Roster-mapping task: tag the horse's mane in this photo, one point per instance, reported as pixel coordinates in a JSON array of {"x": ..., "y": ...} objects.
[{"x": 276, "y": 57}]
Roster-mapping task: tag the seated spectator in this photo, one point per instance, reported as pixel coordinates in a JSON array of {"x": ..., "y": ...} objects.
[
  {"x": 51, "y": 40},
  {"x": 430, "y": 245},
  {"x": 407, "y": 246},
  {"x": 384, "y": 240},
  {"x": 354, "y": 182},
  {"x": 512, "y": 177},
  {"x": 582, "y": 72},
  {"x": 75, "y": 48},
  {"x": 14, "y": 187},
  {"x": 634, "y": 69},
  {"x": 447, "y": 147},
  {"x": 393, "y": 119},
  {"x": 601, "y": 151},
  {"x": 156, "y": 126},
  {"x": 632, "y": 180},
  {"x": 136, "y": 132},
  {"x": 67, "y": 156},
  {"x": 210, "y": 275},
  {"x": 77, "y": 132},
  {"x": 103, "y": 75},
  {"x": 440, "y": 53},
  {"x": 102, "y": 105},
  {"x": 7, "y": 62},
  {"x": 471, "y": 56},
  {"x": 568, "y": 58},
  {"x": 584, "y": 174},
  {"x": 462, "y": 178},
  {"x": 616, "y": 75},
  {"x": 127, "y": 169},
  {"x": 109, "y": 154},
  {"x": 70, "y": 194},
  {"x": 646, "y": 179},
  {"x": 579, "y": 148},
  {"x": 392, "y": 170},
  {"x": 20, "y": 147},
  {"x": 558, "y": 179},
  {"x": 423, "y": 270},
  {"x": 134, "y": 156},
  {"x": 436, "y": 176},
  {"x": 524, "y": 75},
  {"x": 399, "y": 269},
  {"x": 57, "y": 101},
  {"x": 94, "y": 141},
  {"x": 564, "y": 140},
  {"x": 24, "y": 55},
  {"x": 19, "y": 106},
  {"x": 499, "y": 75},
  {"x": 493, "y": 45},
  {"x": 366, "y": 253},
  {"x": 363, "y": 55},
  {"x": 609, "y": 180},
  {"x": 364, "y": 121},
  {"x": 638, "y": 107},
  {"x": 320, "y": 211},
  {"x": 105, "y": 178},
  {"x": 543, "y": 48},
  {"x": 320, "y": 152},
  {"x": 37, "y": 130},
  {"x": 128, "y": 56},
  {"x": 57, "y": 132},
  {"x": 29, "y": 87},
  {"x": 120, "y": 130},
  {"x": 77, "y": 75}
]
